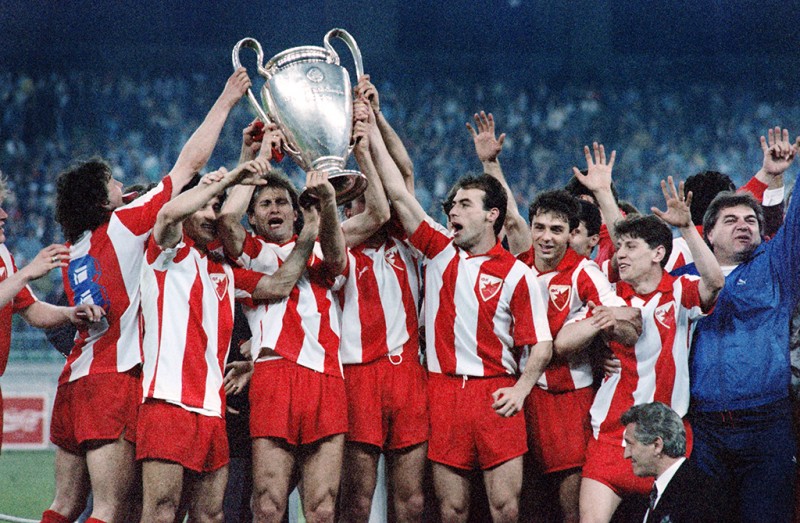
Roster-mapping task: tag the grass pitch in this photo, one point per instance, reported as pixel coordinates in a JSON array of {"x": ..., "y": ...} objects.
[{"x": 27, "y": 482}]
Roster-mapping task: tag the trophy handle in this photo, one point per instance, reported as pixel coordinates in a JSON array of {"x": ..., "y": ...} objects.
[
  {"x": 343, "y": 35},
  {"x": 252, "y": 43}
]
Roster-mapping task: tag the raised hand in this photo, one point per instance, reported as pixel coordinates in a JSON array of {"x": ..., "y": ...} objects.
[
  {"x": 367, "y": 90},
  {"x": 252, "y": 136},
  {"x": 778, "y": 151},
  {"x": 253, "y": 172},
  {"x": 678, "y": 213},
  {"x": 318, "y": 186},
  {"x": 487, "y": 146},
  {"x": 236, "y": 86},
  {"x": 598, "y": 175}
]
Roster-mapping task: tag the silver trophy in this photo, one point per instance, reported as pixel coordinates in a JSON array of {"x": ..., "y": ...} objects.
[{"x": 307, "y": 95}]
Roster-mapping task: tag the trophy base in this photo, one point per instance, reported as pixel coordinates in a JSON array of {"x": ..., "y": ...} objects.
[{"x": 347, "y": 184}]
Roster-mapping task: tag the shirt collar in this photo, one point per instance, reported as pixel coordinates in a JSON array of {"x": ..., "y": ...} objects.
[
  {"x": 663, "y": 480},
  {"x": 625, "y": 291}
]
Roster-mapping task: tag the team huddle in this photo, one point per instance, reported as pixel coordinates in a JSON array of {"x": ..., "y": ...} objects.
[{"x": 532, "y": 351}]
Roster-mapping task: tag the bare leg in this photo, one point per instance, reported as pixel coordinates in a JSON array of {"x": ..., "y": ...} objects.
[
  {"x": 406, "y": 470},
  {"x": 503, "y": 486},
  {"x": 452, "y": 487},
  {"x": 112, "y": 469},
  {"x": 597, "y": 502},
  {"x": 273, "y": 462},
  {"x": 569, "y": 485},
  {"x": 358, "y": 481},
  {"x": 321, "y": 471},
  {"x": 207, "y": 493},
  {"x": 163, "y": 483},
  {"x": 72, "y": 484}
]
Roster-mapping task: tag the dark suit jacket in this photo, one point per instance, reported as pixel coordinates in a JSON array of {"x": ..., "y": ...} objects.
[{"x": 690, "y": 497}]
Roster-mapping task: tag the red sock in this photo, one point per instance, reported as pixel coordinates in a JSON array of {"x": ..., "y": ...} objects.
[
  {"x": 94, "y": 520},
  {"x": 51, "y": 516}
]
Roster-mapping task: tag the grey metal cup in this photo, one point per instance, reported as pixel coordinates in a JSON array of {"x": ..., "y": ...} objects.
[{"x": 308, "y": 95}]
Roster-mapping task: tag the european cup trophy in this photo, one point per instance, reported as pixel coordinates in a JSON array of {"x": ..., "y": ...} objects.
[{"x": 307, "y": 94}]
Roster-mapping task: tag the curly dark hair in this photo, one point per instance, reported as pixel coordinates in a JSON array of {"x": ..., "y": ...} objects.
[{"x": 82, "y": 198}]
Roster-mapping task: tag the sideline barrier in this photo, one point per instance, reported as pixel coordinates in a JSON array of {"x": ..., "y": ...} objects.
[{"x": 13, "y": 519}]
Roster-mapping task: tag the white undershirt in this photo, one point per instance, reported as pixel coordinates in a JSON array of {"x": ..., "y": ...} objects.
[{"x": 662, "y": 481}]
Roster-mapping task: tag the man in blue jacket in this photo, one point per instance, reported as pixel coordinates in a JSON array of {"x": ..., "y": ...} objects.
[{"x": 740, "y": 370}]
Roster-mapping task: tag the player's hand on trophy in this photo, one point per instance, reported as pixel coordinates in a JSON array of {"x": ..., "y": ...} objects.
[
  {"x": 236, "y": 86},
  {"x": 366, "y": 89},
  {"x": 252, "y": 136},
  {"x": 273, "y": 142},
  {"x": 319, "y": 187},
  {"x": 487, "y": 146}
]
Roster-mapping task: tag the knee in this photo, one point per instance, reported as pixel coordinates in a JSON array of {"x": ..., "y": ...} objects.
[
  {"x": 322, "y": 513},
  {"x": 453, "y": 512},
  {"x": 356, "y": 507},
  {"x": 506, "y": 510},
  {"x": 266, "y": 507},
  {"x": 411, "y": 507},
  {"x": 162, "y": 510}
]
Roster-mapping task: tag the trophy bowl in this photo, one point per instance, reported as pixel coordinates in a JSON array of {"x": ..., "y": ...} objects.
[{"x": 308, "y": 95}]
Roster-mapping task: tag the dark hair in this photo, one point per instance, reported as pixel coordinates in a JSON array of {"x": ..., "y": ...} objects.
[
  {"x": 705, "y": 186},
  {"x": 82, "y": 198},
  {"x": 577, "y": 189},
  {"x": 495, "y": 196},
  {"x": 560, "y": 203},
  {"x": 627, "y": 207},
  {"x": 725, "y": 200},
  {"x": 651, "y": 229},
  {"x": 656, "y": 420},
  {"x": 278, "y": 180},
  {"x": 590, "y": 216}
]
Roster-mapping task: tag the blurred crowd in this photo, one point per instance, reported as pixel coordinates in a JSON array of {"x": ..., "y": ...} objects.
[{"x": 140, "y": 124}]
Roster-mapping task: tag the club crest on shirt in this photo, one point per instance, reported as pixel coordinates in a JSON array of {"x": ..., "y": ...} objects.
[
  {"x": 664, "y": 316},
  {"x": 391, "y": 256},
  {"x": 489, "y": 286},
  {"x": 220, "y": 284},
  {"x": 559, "y": 295}
]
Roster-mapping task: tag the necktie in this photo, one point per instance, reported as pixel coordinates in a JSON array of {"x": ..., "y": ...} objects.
[{"x": 652, "y": 502}]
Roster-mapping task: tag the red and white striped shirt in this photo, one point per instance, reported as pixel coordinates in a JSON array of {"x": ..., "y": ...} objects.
[
  {"x": 379, "y": 303},
  {"x": 477, "y": 308},
  {"x": 657, "y": 367},
  {"x": 24, "y": 299},
  {"x": 304, "y": 327},
  {"x": 105, "y": 269},
  {"x": 187, "y": 307},
  {"x": 566, "y": 290}
]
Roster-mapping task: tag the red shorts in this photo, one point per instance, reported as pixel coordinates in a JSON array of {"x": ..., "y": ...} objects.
[
  {"x": 170, "y": 432},
  {"x": 387, "y": 404},
  {"x": 96, "y": 407},
  {"x": 296, "y": 404},
  {"x": 559, "y": 427},
  {"x": 606, "y": 463},
  {"x": 466, "y": 432}
]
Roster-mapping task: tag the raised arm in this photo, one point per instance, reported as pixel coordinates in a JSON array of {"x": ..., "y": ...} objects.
[
  {"x": 678, "y": 215},
  {"x": 404, "y": 205},
  {"x": 488, "y": 148},
  {"x": 778, "y": 156},
  {"x": 168, "y": 229},
  {"x": 598, "y": 180},
  {"x": 279, "y": 285},
  {"x": 393, "y": 143},
  {"x": 229, "y": 225},
  {"x": 360, "y": 227},
  {"x": 200, "y": 145},
  {"x": 331, "y": 237}
]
